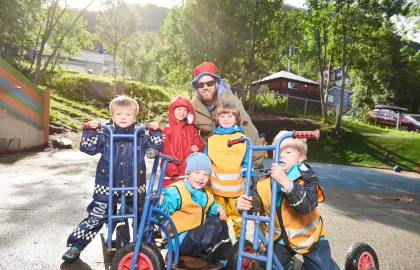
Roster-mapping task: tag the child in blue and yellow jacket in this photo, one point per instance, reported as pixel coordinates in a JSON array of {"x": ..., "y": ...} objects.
[
  {"x": 299, "y": 228},
  {"x": 124, "y": 111},
  {"x": 229, "y": 164},
  {"x": 199, "y": 220}
]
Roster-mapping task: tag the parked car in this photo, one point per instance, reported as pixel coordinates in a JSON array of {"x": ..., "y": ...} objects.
[{"x": 388, "y": 118}]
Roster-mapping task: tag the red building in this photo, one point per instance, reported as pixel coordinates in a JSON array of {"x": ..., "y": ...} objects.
[{"x": 287, "y": 83}]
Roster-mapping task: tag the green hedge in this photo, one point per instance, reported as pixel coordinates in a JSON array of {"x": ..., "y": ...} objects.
[{"x": 88, "y": 88}]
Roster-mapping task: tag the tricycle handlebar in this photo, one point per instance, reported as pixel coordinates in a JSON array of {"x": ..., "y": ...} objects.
[{"x": 306, "y": 134}]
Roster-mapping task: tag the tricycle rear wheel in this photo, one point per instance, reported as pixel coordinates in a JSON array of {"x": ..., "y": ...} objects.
[
  {"x": 233, "y": 258},
  {"x": 361, "y": 256}
]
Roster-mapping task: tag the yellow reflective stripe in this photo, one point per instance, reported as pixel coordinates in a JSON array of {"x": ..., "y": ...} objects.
[
  {"x": 228, "y": 188},
  {"x": 293, "y": 233},
  {"x": 226, "y": 176},
  {"x": 304, "y": 244}
]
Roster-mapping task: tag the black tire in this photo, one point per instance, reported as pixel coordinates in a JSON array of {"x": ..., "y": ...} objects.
[
  {"x": 361, "y": 254},
  {"x": 233, "y": 257},
  {"x": 122, "y": 236},
  {"x": 123, "y": 257}
]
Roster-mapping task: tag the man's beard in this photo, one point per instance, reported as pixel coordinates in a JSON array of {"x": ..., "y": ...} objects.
[{"x": 209, "y": 101}]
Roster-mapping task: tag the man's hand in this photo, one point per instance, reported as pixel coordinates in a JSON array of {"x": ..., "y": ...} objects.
[
  {"x": 194, "y": 148},
  {"x": 222, "y": 213},
  {"x": 279, "y": 175},
  {"x": 244, "y": 203}
]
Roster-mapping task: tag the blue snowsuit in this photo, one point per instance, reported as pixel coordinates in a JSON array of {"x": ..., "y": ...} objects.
[{"x": 98, "y": 141}]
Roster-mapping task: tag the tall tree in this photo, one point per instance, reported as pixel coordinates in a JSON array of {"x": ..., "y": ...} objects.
[
  {"x": 117, "y": 23},
  {"x": 53, "y": 19},
  {"x": 17, "y": 18},
  {"x": 319, "y": 37}
]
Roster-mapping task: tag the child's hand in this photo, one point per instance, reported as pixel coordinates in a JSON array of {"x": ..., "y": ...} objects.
[
  {"x": 194, "y": 148},
  {"x": 154, "y": 126},
  {"x": 279, "y": 175},
  {"x": 93, "y": 124},
  {"x": 244, "y": 203},
  {"x": 222, "y": 213},
  {"x": 162, "y": 197}
]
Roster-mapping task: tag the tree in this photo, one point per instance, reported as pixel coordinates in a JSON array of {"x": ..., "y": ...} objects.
[
  {"x": 116, "y": 24},
  {"x": 16, "y": 20},
  {"x": 319, "y": 37},
  {"x": 53, "y": 19}
]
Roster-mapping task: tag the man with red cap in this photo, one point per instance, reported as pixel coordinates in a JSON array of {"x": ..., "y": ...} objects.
[{"x": 212, "y": 91}]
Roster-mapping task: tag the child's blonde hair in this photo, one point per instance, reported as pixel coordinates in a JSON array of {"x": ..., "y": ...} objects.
[
  {"x": 124, "y": 102},
  {"x": 300, "y": 144},
  {"x": 228, "y": 107}
]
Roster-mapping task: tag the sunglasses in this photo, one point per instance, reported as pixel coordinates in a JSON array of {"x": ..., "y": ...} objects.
[{"x": 209, "y": 84}]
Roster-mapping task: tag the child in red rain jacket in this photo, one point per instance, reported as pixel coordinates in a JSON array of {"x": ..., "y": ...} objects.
[{"x": 182, "y": 138}]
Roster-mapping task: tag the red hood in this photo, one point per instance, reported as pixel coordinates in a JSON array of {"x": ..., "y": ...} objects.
[{"x": 181, "y": 101}]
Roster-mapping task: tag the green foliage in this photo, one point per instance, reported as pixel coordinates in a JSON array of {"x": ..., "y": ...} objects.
[
  {"x": 267, "y": 102},
  {"x": 88, "y": 87},
  {"x": 101, "y": 111},
  {"x": 84, "y": 87},
  {"x": 360, "y": 127},
  {"x": 381, "y": 151}
]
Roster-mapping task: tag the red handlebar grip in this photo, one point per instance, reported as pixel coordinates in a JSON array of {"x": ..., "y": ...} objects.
[
  {"x": 160, "y": 127},
  {"x": 177, "y": 162},
  {"x": 233, "y": 141},
  {"x": 306, "y": 134},
  {"x": 87, "y": 126}
]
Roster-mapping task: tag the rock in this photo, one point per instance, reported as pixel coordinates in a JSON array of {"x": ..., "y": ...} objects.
[
  {"x": 62, "y": 143},
  {"x": 56, "y": 129}
]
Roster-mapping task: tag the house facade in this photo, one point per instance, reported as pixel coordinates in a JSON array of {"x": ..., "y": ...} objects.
[
  {"x": 90, "y": 61},
  {"x": 298, "y": 88},
  {"x": 334, "y": 93},
  {"x": 288, "y": 83},
  {"x": 334, "y": 97}
]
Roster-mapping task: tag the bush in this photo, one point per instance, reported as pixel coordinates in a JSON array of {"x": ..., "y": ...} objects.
[{"x": 87, "y": 88}]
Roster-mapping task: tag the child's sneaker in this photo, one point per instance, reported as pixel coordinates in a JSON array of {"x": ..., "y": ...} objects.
[{"x": 71, "y": 255}]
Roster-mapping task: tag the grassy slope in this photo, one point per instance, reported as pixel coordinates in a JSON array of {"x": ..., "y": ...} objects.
[
  {"x": 369, "y": 150},
  {"x": 363, "y": 144}
]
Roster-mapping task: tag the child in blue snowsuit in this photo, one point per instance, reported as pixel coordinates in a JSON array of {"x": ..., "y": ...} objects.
[
  {"x": 124, "y": 111},
  {"x": 199, "y": 220}
]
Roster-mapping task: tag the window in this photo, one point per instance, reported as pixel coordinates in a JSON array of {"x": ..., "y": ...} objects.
[
  {"x": 292, "y": 85},
  {"x": 330, "y": 99}
]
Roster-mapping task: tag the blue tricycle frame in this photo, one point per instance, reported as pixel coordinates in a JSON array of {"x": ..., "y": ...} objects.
[
  {"x": 360, "y": 256},
  {"x": 271, "y": 261},
  {"x": 122, "y": 213}
]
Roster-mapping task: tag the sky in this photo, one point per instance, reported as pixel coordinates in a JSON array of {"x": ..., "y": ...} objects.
[{"x": 171, "y": 3}]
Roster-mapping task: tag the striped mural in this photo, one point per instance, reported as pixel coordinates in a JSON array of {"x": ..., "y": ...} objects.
[{"x": 21, "y": 96}]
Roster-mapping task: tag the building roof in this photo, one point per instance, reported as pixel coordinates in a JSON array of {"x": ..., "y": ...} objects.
[{"x": 285, "y": 75}]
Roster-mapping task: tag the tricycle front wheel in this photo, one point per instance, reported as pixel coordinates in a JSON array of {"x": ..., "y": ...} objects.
[{"x": 149, "y": 258}]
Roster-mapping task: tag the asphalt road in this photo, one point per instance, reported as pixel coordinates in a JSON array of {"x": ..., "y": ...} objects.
[{"x": 43, "y": 196}]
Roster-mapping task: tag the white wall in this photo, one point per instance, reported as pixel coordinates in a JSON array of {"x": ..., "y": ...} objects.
[{"x": 29, "y": 134}]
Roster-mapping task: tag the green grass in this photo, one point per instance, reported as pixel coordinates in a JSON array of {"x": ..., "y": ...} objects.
[
  {"x": 99, "y": 112},
  {"x": 365, "y": 150},
  {"x": 358, "y": 126},
  {"x": 60, "y": 119}
]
